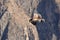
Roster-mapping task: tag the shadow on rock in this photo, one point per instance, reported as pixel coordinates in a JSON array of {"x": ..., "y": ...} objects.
[
  {"x": 5, "y": 33},
  {"x": 3, "y": 9},
  {"x": 48, "y": 10}
]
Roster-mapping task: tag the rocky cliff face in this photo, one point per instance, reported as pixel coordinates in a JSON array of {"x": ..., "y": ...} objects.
[
  {"x": 14, "y": 23},
  {"x": 15, "y": 15}
]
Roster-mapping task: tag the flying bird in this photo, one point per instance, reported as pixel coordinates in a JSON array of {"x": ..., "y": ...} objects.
[{"x": 36, "y": 18}]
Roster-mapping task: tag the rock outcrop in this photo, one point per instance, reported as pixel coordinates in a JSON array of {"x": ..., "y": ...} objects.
[{"x": 14, "y": 22}]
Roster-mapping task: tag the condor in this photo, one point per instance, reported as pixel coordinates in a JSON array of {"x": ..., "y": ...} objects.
[{"x": 36, "y": 18}]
